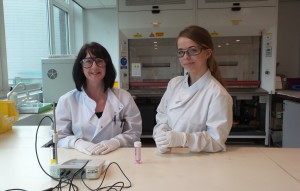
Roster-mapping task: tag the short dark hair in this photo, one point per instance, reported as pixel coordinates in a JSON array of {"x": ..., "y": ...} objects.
[{"x": 98, "y": 51}]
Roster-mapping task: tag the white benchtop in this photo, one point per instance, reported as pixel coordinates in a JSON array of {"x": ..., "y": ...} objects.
[{"x": 239, "y": 168}]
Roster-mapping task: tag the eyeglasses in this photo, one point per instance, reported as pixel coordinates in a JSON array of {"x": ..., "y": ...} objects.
[
  {"x": 192, "y": 51},
  {"x": 88, "y": 62}
]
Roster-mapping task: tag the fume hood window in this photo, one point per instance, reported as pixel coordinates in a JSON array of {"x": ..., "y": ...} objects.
[{"x": 238, "y": 57}]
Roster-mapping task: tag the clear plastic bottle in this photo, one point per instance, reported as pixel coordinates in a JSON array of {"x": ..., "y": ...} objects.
[
  {"x": 14, "y": 97},
  {"x": 137, "y": 152}
]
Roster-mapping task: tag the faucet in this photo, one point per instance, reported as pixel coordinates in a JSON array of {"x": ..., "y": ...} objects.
[{"x": 14, "y": 89}]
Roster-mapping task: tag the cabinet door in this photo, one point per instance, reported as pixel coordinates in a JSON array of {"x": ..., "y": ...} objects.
[
  {"x": 246, "y": 22},
  {"x": 170, "y": 23},
  {"x": 137, "y": 5},
  {"x": 290, "y": 125},
  {"x": 242, "y": 3}
]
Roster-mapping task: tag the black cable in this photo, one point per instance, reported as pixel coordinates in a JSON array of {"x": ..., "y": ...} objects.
[
  {"x": 69, "y": 180},
  {"x": 17, "y": 189},
  {"x": 65, "y": 181},
  {"x": 75, "y": 174},
  {"x": 112, "y": 187},
  {"x": 61, "y": 181}
]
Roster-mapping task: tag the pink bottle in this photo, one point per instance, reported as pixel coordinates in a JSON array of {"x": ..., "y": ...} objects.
[{"x": 137, "y": 152}]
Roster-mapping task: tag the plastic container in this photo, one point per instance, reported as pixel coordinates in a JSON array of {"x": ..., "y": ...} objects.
[
  {"x": 8, "y": 115},
  {"x": 137, "y": 152},
  {"x": 14, "y": 98}
]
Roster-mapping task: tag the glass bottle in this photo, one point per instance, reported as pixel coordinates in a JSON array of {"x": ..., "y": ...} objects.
[{"x": 137, "y": 151}]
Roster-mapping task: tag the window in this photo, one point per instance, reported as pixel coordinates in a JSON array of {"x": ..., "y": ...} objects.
[
  {"x": 59, "y": 12},
  {"x": 61, "y": 27},
  {"x": 27, "y": 38}
]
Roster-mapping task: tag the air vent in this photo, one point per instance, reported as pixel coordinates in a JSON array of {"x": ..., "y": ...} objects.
[
  {"x": 153, "y": 2},
  {"x": 52, "y": 74}
]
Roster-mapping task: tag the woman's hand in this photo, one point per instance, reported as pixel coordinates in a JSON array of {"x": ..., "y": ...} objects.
[
  {"x": 106, "y": 146},
  {"x": 170, "y": 139},
  {"x": 85, "y": 147}
]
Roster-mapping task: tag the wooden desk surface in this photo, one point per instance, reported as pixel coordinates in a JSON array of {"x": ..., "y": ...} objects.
[{"x": 239, "y": 168}]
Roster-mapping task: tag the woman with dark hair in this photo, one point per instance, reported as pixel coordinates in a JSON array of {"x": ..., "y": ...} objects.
[
  {"x": 96, "y": 118},
  {"x": 196, "y": 109}
]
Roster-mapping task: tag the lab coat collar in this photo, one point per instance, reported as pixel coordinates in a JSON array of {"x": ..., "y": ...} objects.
[
  {"x": 115, "y": 106},
  {"x": 91, "y": 104},
  {"x": 187, "y": 92},
  {"x": 200, "y": 83},
  {"x": 111, "y": 111}
]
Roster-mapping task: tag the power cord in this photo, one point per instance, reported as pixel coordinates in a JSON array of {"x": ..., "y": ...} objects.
[
  {"x": 64, "y": 180},
  {"x": 61, "y": 182},
  {"x": 69, "y": 181},
  {"x": 112, "y": 187}
]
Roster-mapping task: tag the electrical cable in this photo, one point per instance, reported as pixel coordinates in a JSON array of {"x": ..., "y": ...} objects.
[
  {"x": 37, "y": 154},
  {"x": 114, "y": 186},
  {"x": 61, "y": 181},
  {"x": 69, "y": 181},
  {"x": 65, "y": 181}
]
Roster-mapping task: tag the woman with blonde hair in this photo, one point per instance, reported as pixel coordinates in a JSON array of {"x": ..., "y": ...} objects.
[{"x": 196, "y": 110}]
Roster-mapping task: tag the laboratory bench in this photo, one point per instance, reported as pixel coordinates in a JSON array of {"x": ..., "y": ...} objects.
[{"x": 238, "y": 168}]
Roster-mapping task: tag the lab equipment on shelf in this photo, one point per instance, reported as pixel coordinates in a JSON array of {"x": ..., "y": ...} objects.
[
  {"x": 34, "y": 107},
  {"x": 9, "y": 94}
]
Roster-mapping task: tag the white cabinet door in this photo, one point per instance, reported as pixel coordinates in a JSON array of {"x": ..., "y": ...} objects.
[
  {"x": 170, "y": 22},
  {"x": 246, "y": 22},
  {"x": 137, "y": 5},
  {"x": 291, "y": 124},
  {"x": 215, "y": 4}
]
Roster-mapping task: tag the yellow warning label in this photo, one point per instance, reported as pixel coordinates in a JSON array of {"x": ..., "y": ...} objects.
[
  {"x": 137, "y": 35},
  {"x": 159, "y": 34},
  {"x": 214, "y": 33}
]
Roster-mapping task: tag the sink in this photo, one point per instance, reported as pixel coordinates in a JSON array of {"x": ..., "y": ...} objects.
[
  {"x": 34, "y": 120},
  {"x": 34, "y": 107}
]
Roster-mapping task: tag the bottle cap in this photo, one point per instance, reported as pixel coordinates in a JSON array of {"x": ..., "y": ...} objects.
[{"x": 137, "y": 144}]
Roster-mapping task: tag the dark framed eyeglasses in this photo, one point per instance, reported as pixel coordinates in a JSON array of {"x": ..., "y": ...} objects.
[
  {"x": 88, "y": 62},
  {"x": 192, "y": 51}
]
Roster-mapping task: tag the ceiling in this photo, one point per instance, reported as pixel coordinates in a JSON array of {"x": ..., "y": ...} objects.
[{"x": 96, "y": 4}]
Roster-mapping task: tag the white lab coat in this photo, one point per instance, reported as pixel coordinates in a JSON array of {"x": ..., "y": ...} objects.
[
  {"x": 76, "y": 118},
  {"x": 203, "y": 111}
]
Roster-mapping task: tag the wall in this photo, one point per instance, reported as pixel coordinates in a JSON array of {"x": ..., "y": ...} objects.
[
  {"x": 101, "y": 25},
  {"x": 288, "y": 49}
]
